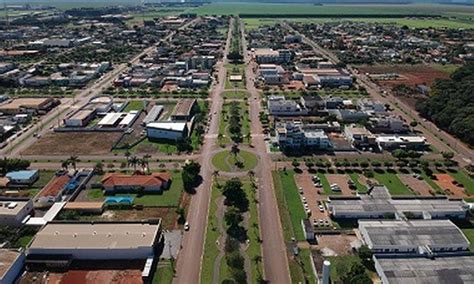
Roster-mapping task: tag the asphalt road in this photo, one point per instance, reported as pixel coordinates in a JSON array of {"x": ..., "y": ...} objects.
[
  {"x": 463, "y": 154},
  {"x": 188, "y": 269},
  {"x": 275, "y": 260}
]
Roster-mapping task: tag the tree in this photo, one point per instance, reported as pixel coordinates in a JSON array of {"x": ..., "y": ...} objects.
[
  {"x": 233, "y": 216},
  {"x": 399, "y": 154},
  {"x": 190, "y": 176},
  {"x": 447, "y": 155},
  {"x": 99, "y": 168},
  {"x": 414, "y": 123},
  {"x": 65, "y": 165},
  {"x": 133, "y": 161},
  {"x": 73, "y": 160},
  {"x": 235, "y": 194},
  {"x": 295, "y": 164},
  {"x": 356, "y": 275},
  {"x": 235, "y": 150},
  {"x": 181, "y": 218}
]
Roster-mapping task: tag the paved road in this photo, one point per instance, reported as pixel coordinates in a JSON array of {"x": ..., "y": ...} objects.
[
  {"x": 464, "y": 155},
  {"x": 189, "y": 262},
  {"x": 275, "y": 260},
  {"x": 69, "y": 105}
]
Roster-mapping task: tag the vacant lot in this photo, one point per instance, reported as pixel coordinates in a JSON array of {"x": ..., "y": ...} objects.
[
  {"x": 411, "y": 75},
  {"x": 417, "y": 185},
  {"x": 73, "y": 144},
  {"x": 445, "y": 181}
]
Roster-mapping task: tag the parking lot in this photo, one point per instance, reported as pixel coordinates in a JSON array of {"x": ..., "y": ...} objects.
[
  {"x": 342, "y": 181},
  {"x": 313, "y": 200}
]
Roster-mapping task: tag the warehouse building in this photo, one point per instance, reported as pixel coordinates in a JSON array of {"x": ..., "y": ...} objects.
[
  {"x": 184, "y": 110},
  {"x": 153, "y": 114},
  {"x": 379, "y": 204},
  {"x": 167, "y": 130},
  {"x": 95, "y": 241},
  {"x": 28, "y": 105},
  {"x": 11, "y": 264},
  {"x": 14, "y": 210},
  {"x": 418, "y": 269},
  {"x": 414, "y": 236}
]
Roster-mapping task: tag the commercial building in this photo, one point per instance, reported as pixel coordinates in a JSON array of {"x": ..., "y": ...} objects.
[
  {"x": 81, "y": 118},
  {"x": 268, "y": 55},
  {"x": 413, "y": 236},
  {"x": 379, "y": 204},
  {"x": 95, "y": 241},
  {"x": 14, "y": 210},
  {"x": 11, "y": 264},
  {"x": 154, "y": 183},
  {"x": 27, "y": 105},
  {"x": 184, "y": 110},
  {"x": 420, "y": 269},
  {"x": 392, "y": 142},
  {"x": 279, "y": 106},
  {"x": 153, "y": 114},
  {"x": 167, "y": 130}
]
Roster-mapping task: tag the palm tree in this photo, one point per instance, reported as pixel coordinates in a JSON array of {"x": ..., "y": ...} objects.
[
  {"x": 65, "y": 165},
  {"x": 251, "y": 174},
  {"x": 144, "y": 162},
  {"x": 235, "y": 150},
  {"x": 215, "y": 175},
  {"x": 73, "y": 160},
  {"x": 133, "y": 161},
  {"x": 127, "y": 155}
]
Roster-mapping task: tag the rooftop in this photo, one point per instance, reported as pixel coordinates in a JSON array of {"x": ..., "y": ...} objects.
[
  {"x": 26, "y": 174},
  {"x": 448, "y": 269},
  {"x": 24, "y": 102},
  {"x": 12, "y": 206},
  {"x": 54, "y": 186},
  {"x": 7, "y": 258},
  {"x": 172, "y": 126},
  {"x": 184, "y": 107},
  {"x": 96, "y": 235},
  {"x": 412, "y": 233}
]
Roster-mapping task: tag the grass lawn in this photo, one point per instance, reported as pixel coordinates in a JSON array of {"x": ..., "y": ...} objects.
[
  {"x": 23, "y": 241},
  {"x": 95, "y": 194},
  {"x": 164, "y": 273},
  {"x": 134, "y": 105},
  {"x": 469, "y": 233},
  {"x": 45, "y": 177},
  {"x": 212, "y": 234},
  {"x": 239, "y": 95},
  {"x": 431, "y": 183},
  {"x": 326, "y": 186},
  {"x": 225, "y": 161},
  {"x": 360, "y": 187},
  {"x": 462, "y": 177},
  {"x": 393, "y": 183},
  {"x": 147, "y": 146},
  {"x": 292, "y": 202},
  {"x": 282, "y": 208},
  {"x": 342, "y": 264},
  {"x": 253, "y": 233}
]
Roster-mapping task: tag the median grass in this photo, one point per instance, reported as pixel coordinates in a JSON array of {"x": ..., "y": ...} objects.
[
  {"x": 290, "y": 203},
  {"x": 360, "y": 187},
  {"x": 393, "y": 183},
  {"x": 226, "y": 161},
  {"x": 253, "y": 232},
  {"x": 164, "y": 273},
  {"x": 211, "y": 251}
]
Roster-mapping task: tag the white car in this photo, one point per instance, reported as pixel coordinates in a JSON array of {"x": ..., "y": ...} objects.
[
  {"x": 186, "y": 226},
  {"x": 321, "y": 208}
]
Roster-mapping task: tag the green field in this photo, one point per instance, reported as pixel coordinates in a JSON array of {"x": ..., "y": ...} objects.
[
  {"x": 225, "y": 161},
  {"x": 360, "y": 187},
  {"x": 291, "y": 202},
  {"x": 211, "y": 250},
  {"x": 134, "y": 105},
  {"x": 238, "y": 95},
  {"x": 462, "y": 177},
  {"x": 393, "y": 183}
]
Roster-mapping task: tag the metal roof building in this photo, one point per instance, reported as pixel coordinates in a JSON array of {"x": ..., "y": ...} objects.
[
  {"x": 153, "y": 114},
  {"x": 423, "y": 236},
  {"x": 414, "y": 270}
]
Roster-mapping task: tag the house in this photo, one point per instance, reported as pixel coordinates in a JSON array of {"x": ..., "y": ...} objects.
[
  {"x": 350, "y": 115},
  {"x": 14, "y": 210},
  {"x": 22, "y": 178},
  {"x": 312, "y": 103},
  {"x": 167, "y": 130},
  {"x": 379, "y": 204},
  {"x": 392, "y": 142},
  {"x": 371, "y": 106},
  {"x": 387, "y": 124},
  {"x": 412, "y": 236},
  {"x": 291, "y": 135},
  {"x": 52, "y": 192},
  {"x": 359, "y": 136},
  {"x": 153, "y": 114},
  {"x": 11, "y": 265},
  {"x": 95, "y": 241},
  {"x": 154, "y": 183},
  {"x": 268, "y": 55}
]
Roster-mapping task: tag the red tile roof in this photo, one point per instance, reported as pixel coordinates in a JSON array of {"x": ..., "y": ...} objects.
[
  {"x": 54, "y": 186},
  {"x": 135, "y": 180}
]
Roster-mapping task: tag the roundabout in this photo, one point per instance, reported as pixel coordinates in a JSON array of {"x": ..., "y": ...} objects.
[{"x": 226, "y": 161}]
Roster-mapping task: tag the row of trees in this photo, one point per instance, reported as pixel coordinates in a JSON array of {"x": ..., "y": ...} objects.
[
  {"x": 8, "y": 165},
  {"x": 235, "y": 53},
  {"x": 235, "y": 125},
  {"x": 237, "y": 205}
]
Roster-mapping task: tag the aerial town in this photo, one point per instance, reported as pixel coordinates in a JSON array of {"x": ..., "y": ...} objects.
[{"x": 248, "y": 142}]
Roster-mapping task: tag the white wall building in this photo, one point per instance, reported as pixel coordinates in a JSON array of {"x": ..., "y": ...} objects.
[
  {"x": 14, "y": 211},
  {"x": 167, "y": 130}
]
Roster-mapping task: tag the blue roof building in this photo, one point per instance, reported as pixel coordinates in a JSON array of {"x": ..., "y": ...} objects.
[{"x": 25, "y": 177}]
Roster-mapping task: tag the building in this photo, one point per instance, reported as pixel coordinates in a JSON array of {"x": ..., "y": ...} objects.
[
  {"x": 22, "y": 178},
  {"x": 413, "y": 236},
  {"x": 335, "y": 81},
  {"x": 153, "y": 114},
  {"x": 52, "y": 191},
  {"x": 371, "y": 106},
  {"x": 13, "y": 211},
  {"x": 350, "y": 115},
  {"x": 420, "y": 269},
  {"x": 359, "y": 137},
  {"x": 379, "y": 204},
  {"x": 387, "y": 124},
  {"x": 268, "y": 55},
  {"x": 28, "y": 105},
  {"x": 291, "y": 135},
  {"x": 95, "y": 241},
  {"x": 308, "y": 230},
  {"x": 167, "y": 130},
  {"x": 80, "y": 118},
  {"x": 184, "y": 110},
  {"x": 85, "y": 207},
  {"x": 392, "y": 142},
  {"x": 154, "y": 183},
  {"x": 11, "y": 264},
  {"x": 312, "y": 103},
  {"x": 279, "y": 106}
]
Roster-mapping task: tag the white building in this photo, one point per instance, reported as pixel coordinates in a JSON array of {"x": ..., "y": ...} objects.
[
  {"x": 413, "y": 236},
  {"x": 167, "y": 130},
  {"x": 279, "y": 106},
  {"x": 391, "y": 142},
  {"x": 14, "y": 211},
  {"x": 290, "y": 135},
  {"x": 97, "y": 240}
]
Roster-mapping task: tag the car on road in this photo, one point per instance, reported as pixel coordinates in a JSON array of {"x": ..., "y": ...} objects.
[
  {"x": 186, "y": 226},
  {"x": 321, "y": 208}
]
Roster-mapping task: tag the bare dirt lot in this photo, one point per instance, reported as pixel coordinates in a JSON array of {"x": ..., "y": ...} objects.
[
  {"x": 168, "y": 215},
  {"x": 336, "y": 244},
  {"x": 411, "y": 75},
  {"x": 98, "y": 143},
  {"x": 445, "y": 181},
  {"x": 417, "y": 185},
  {"x": 340, "y": 180}
]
